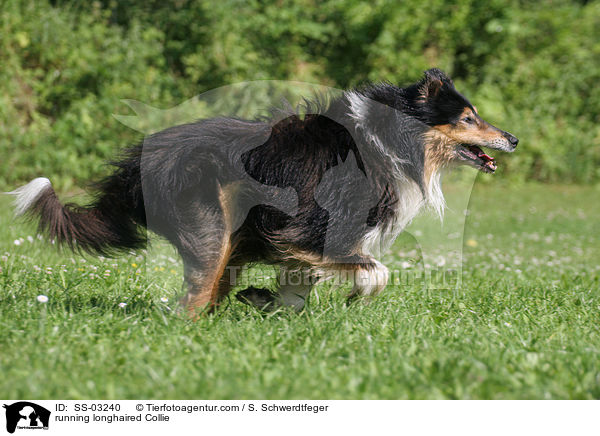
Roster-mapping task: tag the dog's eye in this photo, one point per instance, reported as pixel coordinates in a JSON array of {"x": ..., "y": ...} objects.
[{"x": 469, "y": 120}]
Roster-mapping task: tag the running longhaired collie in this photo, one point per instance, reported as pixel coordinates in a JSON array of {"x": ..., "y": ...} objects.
[{"x": 313, "y": 192}]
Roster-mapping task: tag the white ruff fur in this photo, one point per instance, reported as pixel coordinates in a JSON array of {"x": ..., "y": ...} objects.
[
  {"x": 411, "y": 199},
  {"x": 358, "y": 111},
  {"x": 435, "y": 196},
  {"x": 379, "y": 239},
  {"x": 27, "y": 195}
]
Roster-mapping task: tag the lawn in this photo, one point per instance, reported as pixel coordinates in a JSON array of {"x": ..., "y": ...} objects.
[{"x": 524, "y": 322}]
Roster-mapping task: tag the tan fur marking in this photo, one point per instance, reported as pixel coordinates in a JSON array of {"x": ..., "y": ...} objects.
[
  {"x": 480, "y": 134},
  {"x": 467, "y": 112},
  {"x": 439, "y": 151},
  {"x": 294, "y": 258},
  {"x": 228, "y": 198}
]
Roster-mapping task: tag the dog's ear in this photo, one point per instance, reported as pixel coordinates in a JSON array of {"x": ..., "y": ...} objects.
[
  {"x": 431, "y": 88},
  {"x": 433, "y": 82}
]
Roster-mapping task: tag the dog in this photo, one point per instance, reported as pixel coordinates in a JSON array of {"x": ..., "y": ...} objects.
[{"x": 313, "y": 190}]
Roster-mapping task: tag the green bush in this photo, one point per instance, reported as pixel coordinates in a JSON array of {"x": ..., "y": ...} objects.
[
  {"x": 63, "y": 74},
  {"x": 530, "y": 67}
]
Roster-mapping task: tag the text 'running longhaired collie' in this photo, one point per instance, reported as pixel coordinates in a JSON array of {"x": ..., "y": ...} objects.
[{"x": 315, "y": 191}]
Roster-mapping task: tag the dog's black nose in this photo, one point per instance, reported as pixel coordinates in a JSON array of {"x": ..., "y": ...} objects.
[{"x": 512, "y": 139}]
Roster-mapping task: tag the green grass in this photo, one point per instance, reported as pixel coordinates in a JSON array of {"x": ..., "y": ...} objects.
[{"x": 523, "y": 324}]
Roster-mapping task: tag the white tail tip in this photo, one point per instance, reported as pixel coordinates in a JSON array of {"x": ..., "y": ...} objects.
[{"x": 28, "y": 194}]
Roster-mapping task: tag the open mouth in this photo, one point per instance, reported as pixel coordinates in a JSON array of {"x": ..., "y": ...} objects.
[{"x": 475, "y": 156}]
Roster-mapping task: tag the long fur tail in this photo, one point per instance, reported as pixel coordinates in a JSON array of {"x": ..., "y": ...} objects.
[{"x": 107, "y": 226}]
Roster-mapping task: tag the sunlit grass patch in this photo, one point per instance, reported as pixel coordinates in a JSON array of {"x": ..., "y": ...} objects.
[{"x": 523, "y": 323}]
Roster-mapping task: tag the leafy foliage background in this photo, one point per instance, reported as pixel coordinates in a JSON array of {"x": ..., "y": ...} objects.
[{"x": 531, "y": 67}]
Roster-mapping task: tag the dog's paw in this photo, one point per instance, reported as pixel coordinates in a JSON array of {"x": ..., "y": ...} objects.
[
  {"x": 261, "y": 298},
  {"x": 355, "y": 298}
]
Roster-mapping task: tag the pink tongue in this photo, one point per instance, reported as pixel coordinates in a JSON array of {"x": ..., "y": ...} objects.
[{"x": 485, "y": 156}]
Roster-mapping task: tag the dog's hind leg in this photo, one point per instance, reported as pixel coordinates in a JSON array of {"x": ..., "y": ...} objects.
[
  {"x": 206, "y": 286},
  {"x": 293, "y": 291},
  {"x": 294, "y": 287},
  {"x": 204, "y": 242},
  {"x": 204, "y": 275}
]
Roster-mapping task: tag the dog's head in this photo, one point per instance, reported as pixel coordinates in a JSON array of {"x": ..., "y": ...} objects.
[{"x": 456, "y": 130}]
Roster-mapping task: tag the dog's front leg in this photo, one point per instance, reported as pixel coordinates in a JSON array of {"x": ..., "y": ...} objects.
[{"x": 369, "y": 278}]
